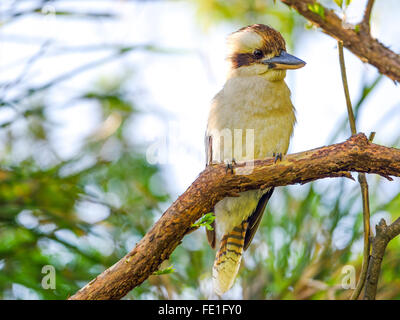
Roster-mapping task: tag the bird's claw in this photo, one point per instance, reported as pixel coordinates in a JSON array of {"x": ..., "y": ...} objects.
[
  {"x": 229, "y": 166},
  {"x": 277, "y": 156}
]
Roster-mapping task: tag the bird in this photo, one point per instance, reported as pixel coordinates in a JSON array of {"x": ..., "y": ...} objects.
[{"x": 254, "y": 97}]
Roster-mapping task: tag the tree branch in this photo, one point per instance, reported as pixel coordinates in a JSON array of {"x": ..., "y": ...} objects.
[
  {"x": 213, "y": 184},
  {"x": 384, "y": 234},
  {"x": 361, "y": 44}
]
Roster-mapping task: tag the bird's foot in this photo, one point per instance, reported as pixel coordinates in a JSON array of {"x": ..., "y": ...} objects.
[
  {"x": 229, "y": 165},
  {"x": 277, "y": 156}
]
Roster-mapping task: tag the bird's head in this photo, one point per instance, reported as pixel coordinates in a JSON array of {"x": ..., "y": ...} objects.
[{"x": 260, "y": 50}]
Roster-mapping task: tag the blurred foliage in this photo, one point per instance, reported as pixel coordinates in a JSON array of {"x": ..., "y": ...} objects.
[
  {"x": 84, "y": 212},
  {"x": 46, "y": 212},
  {"x": 242, "y": 13}
]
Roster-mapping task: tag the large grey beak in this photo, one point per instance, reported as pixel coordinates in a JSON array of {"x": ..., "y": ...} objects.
[{"x": 284, "y": 61}]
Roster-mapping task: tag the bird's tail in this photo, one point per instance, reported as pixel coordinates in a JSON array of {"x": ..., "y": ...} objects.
[{"x": 228, "y": 258}]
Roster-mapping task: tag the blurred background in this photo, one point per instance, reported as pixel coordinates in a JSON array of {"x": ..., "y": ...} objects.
[{"x": 103, "y": 109}]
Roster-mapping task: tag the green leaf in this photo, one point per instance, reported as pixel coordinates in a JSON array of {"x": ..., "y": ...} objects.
[
  {"x": 164, "y": 271},
  {"x": 205, "y": 221},
  {"x": 339, "y": 3},
  {"x": 317, "y": 9}
]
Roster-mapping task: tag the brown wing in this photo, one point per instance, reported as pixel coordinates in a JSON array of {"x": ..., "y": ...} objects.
[
  {"x": 210, "y": 233},
  {"x": 255, "y": 218}
]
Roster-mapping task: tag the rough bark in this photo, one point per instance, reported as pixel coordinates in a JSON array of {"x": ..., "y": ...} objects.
[
  {"x": 214, "y": 183},
  {"x": 361, "y": 43}
]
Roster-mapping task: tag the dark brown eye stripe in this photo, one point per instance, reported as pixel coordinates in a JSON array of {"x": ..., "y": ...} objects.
[{"x": 242, "y": 59}]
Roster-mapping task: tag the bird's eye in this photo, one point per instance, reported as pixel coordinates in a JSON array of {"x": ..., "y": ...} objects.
[{"x": 258, "y": 54}]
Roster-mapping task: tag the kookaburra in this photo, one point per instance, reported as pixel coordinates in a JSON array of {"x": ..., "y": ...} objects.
[{"x": 256, "y": 97}]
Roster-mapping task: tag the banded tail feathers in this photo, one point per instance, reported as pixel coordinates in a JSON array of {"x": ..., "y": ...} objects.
[
  {"x": 232, "y": 245},
  {"x": 228, "y": 258}
]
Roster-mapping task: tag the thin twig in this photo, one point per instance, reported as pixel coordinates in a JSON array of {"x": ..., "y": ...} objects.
[
  {"x": 65, "y": 76},
  {"x": 31, "y": 61},
  {"x": 365, "y": 92},
  {"x": 361, "y": 179},
  {"x": 366, "y": 220},
  {"x": 365, "y": 25},
  {"x": 346, "y": 89}
]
